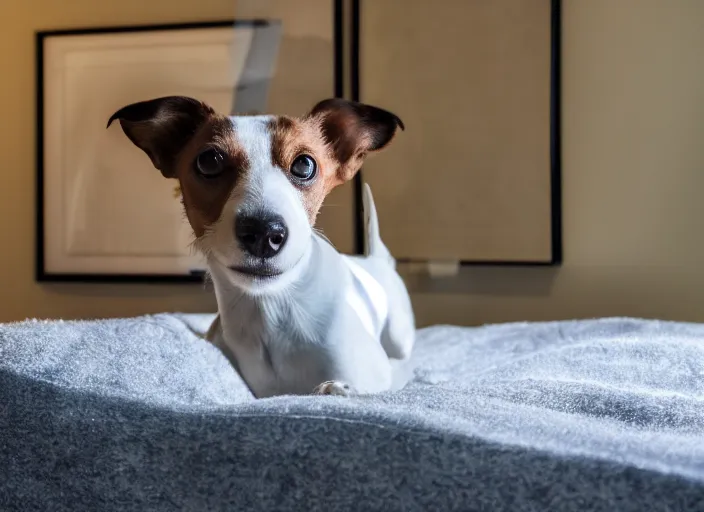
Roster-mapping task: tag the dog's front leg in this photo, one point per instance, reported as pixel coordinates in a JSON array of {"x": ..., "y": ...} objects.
[{"x": 334, "y": 387}]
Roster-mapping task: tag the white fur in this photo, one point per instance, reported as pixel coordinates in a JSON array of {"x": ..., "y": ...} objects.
[
  {"x": 264, "y": 187},
  {"x": 329, "y": 323}
]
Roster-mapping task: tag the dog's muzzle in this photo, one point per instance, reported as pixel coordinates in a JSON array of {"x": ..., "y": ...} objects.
[{"x": 262, "y": 236}]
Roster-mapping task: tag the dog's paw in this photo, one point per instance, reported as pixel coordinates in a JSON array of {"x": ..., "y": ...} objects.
[{"x": 333, "y": 387}]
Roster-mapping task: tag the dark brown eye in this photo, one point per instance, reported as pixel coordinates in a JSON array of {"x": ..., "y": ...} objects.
[
  {"x": 210, "y": 163},
  {"x": 304, "y": 168}
]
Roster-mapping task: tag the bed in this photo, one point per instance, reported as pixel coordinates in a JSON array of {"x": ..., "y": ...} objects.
[{"x": 143, "y": 414}]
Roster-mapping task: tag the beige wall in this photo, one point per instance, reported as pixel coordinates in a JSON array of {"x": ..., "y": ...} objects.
[
  {"x": 633, "y": 173},
  {"x": 633, "y": 176}
]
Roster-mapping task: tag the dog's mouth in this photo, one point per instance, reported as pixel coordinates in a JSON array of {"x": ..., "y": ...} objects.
[{"x": 261, "y": 272}]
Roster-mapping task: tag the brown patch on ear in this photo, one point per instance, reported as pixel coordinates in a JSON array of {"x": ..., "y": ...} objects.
[
  {"x": 337, "y": 134},
  {"x": 352, "y": 129},
  {"x": 161, "y": 127},
  {"x": 172, "y": 131}
]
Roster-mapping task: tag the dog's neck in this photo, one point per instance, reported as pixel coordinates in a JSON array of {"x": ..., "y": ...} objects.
[{"x": 296, "y": 308}]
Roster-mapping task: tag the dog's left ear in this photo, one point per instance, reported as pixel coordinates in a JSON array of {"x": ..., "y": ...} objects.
[
  {"x": 353, "y": 129},
  {"x": 162, "y": 127}
]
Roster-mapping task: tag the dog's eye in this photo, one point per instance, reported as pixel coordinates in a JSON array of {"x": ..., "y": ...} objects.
[
  {"x": 304, "y": 168},
  {"x": 210, "y": 163}
]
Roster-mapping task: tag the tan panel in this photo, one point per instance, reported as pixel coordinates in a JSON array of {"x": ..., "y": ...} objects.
[
  {"x": 470, "y": 177},
  {"x": 304, "y": 75}
]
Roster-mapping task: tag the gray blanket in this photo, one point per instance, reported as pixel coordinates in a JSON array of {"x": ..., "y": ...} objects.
[{"x": 141, "y": 414}]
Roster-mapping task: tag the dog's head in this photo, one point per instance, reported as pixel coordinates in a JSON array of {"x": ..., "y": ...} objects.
[{"x": 252, "y": 185}]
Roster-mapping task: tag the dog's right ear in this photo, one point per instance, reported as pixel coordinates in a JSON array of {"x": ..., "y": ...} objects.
[
  {"x": 162, "y": 127},
  {"x": 352, "y": 129}
]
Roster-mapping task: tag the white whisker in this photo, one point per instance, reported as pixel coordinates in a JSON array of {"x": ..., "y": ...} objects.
[{"x": 322, "y": 235}]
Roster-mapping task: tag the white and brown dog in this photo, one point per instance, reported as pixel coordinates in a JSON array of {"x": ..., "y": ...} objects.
[{"x": 294, "y": 315}]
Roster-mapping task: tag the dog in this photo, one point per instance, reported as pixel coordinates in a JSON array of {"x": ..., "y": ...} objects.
[{"x": 295, "y": 317}]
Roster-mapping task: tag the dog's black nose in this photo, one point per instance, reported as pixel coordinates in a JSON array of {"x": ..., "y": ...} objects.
[{"x": 261, "y": 236}]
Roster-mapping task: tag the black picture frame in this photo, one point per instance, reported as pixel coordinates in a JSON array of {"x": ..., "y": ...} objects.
[
  {"x": 555, "y": 141},
  {"x": 41, "y": 274}
]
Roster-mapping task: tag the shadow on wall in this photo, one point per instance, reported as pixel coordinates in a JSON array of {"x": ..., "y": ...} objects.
[
  {"x": 494, "y": 281},
  {"x": 296, "y": 87}
]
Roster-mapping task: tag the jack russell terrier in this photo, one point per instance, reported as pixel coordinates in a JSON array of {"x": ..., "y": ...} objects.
[{"x": 294, "y": 315}]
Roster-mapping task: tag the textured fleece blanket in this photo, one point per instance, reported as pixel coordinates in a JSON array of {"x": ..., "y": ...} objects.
[{"x": 141, "y": 414}]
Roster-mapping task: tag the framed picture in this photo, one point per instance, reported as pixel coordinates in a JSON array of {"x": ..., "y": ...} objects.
[
  {"x": 475, "y": 178},
  {"x": 103, "y": 212}
]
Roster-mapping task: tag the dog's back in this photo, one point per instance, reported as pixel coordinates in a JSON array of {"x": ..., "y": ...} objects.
[{"x": 389, "y": 292}]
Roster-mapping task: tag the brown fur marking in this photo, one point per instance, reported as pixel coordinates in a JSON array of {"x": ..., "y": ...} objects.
[
  {"x": 294, "y": 137},
  {"x": 204, "y": 198}
]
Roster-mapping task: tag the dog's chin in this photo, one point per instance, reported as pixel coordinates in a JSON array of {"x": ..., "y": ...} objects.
[{"x": 256, "y": 276}]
